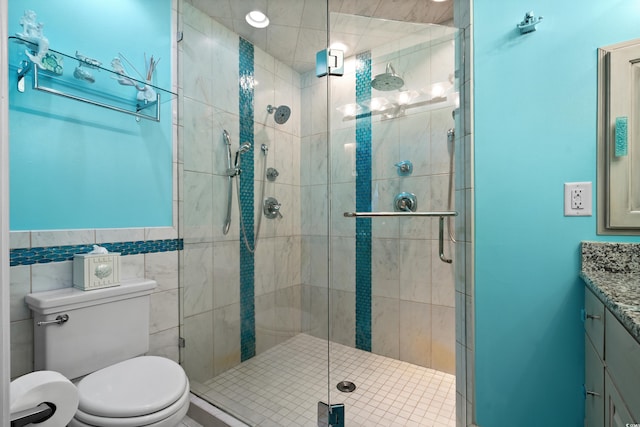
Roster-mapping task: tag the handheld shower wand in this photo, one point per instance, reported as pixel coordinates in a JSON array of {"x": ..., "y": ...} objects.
[{"x": 230, "y": 174}]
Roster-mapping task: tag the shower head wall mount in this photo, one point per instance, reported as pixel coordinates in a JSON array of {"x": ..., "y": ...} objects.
[{"x": 280, "y": 114}]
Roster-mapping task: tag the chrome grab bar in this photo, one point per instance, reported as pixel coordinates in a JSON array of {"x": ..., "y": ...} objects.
[
  {"x": 377, "y": 214},
  {"x": 439, "y": 214},
  {"x": 58, "y": 320},
  {"x": 441, "y": 242}
]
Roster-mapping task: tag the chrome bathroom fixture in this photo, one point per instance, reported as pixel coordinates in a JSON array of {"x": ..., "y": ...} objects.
[
  {"x": 231, "y": 172},
  {"x": 451, "y": 141},
  {"x": 346, "y": 386},
  {"x": 63, "y": 318},
  {"x": 234, "y": 170},
  {"x": 440, "y": 214},
  {"x": 330, "y": 62},
  {"x": 405, "y": 168},
  {"x": 280, "y": 114},
  {"x": 405, "y": 202},
  {"x": 388, "y": 80},
  {"x": 529, "y": 23},
  {"x": 271, "y": 208},
  {"x": 272, "y": 174},
  {"x": 331, "y": 415}
]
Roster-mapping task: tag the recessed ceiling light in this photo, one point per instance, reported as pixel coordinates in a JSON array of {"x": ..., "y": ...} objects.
[{"x": 257, "y": 19}]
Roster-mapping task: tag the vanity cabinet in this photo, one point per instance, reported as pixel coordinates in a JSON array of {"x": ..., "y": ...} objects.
[
  {"x": 594, "y": 386},
  {"x": 615, "y": 411},
  {"x": 612, "y": 368}
]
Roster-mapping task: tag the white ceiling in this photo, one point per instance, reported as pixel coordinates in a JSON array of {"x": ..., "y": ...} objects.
[{"x": 297, "y": 28}]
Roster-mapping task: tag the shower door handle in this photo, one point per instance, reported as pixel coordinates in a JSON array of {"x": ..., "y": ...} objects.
[
  {"x": 402, "y": 213},
  {"x": 440, "y": 215}
]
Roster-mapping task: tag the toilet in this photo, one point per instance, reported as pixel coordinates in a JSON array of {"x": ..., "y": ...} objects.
[{"x": 100, "y": 347}]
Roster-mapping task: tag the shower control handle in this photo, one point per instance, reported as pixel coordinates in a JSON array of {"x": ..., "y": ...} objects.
[
  {"x": 405, "y": 168},
  {"x": 271, "y": 208},
  {"x": 405, "y": 202},
  {"x": 272, "y": 174}
]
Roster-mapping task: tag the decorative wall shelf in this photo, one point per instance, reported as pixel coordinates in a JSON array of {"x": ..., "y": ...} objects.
[{"x": 86, "y": 80}]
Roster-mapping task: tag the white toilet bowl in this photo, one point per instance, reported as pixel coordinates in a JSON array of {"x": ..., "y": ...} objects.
[
  {"x": 99, "y": 345},
  {"x": 143, "y": 391}
]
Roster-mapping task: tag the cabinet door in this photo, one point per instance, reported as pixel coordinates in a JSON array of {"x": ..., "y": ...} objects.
[
  {"x": 615, "y": 412},
  {"x": 594, "y": 385},
  {"x": 622, "y": 357}
]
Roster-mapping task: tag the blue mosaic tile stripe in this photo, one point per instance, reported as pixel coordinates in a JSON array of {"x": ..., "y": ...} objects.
[
  {"x": 247, "y": 262},
  {"x": 43, "y": 255},
  {"x": 363, "y": 204}
]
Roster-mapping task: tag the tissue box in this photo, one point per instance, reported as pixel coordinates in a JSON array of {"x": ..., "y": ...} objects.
[{"x": 95, "y": 271}]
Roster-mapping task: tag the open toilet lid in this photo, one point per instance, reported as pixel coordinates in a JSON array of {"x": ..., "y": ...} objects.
[{"x": 132, "y": 388}]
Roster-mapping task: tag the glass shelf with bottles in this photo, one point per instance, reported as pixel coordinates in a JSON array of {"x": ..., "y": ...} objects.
[{"x": 84, "y": 79}]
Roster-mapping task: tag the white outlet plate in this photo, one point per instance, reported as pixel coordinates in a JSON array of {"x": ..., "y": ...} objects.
[{"x": 578, "y": 199}]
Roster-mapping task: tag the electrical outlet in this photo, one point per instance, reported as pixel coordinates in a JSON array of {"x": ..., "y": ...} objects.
[{"x": 577, "y": 199}]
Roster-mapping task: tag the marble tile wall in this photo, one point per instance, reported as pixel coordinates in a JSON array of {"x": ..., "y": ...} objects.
[
  {"x": 210, "y": 267},
  {"x": 412, "y": 290}
]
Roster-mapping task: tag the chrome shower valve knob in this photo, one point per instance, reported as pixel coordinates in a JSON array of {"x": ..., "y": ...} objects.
[
  {"x": 271, "y": 208},
  {"x": 405, "y": 202}
]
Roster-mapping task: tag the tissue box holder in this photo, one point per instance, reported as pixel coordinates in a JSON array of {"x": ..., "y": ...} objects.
[{"x": 95, "y": 271}]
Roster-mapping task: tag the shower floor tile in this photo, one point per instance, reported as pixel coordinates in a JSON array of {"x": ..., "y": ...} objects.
[{"x": 282, "y": 386}]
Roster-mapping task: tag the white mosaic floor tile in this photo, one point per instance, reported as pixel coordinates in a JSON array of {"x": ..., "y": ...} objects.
[{"x": 283, "y": 385}]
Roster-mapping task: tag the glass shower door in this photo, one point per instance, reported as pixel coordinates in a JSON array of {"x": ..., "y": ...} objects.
[{"x": 391, "y": 280}]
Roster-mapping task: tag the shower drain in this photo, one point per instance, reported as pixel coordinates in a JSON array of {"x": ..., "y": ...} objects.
[{"x": 346, "y": 386}]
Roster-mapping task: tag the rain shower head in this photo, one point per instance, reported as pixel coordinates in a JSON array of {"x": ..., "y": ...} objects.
[
  {"x": 388, "y": 80},
  {"x": 281, "y": 115}
]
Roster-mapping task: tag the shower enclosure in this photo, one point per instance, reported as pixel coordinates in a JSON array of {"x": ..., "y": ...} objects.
[{"x": 293, "y": 313}]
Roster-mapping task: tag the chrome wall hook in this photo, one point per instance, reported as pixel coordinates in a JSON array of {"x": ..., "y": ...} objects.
[{"x": 529, "y": 23}]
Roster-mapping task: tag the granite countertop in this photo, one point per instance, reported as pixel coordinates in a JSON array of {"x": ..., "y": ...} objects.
[{"x": 612, "y": 272}]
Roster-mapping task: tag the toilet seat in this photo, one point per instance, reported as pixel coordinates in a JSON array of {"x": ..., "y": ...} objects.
[
  {"x": 169, "y": 417},
  {"x": 146, "y": 390}
]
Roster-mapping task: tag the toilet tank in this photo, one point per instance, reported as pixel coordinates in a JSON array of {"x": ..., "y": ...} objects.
[{"x": 105, "y": 326}]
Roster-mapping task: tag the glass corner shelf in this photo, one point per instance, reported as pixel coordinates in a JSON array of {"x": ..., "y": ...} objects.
[{"x": 86, "y": 81}]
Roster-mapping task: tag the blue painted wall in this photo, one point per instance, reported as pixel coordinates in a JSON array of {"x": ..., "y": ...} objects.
[
  {"x": 535, "y": 128},
  {"x": 74, "y": 165}
]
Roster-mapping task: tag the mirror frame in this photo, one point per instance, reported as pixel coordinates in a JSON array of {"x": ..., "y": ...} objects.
[{"x": 602, "y": 156}]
